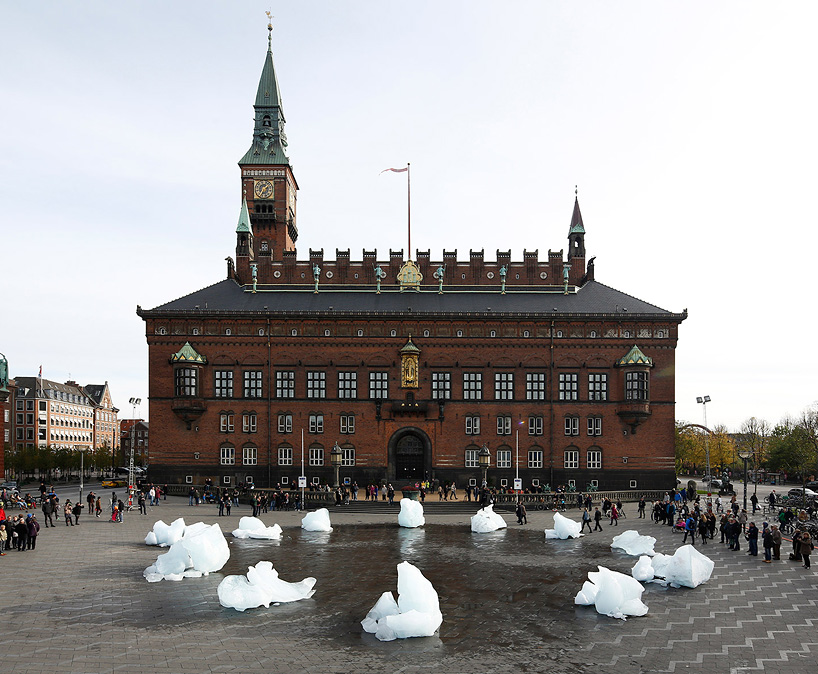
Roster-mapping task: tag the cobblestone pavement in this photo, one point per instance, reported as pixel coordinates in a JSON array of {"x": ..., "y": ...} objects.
[{"x": 79, "y": 604}]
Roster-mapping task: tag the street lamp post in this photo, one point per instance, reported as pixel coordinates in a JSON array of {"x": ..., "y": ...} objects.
[
  {"x": 82, "y": 471},
  {"x": 703, "y": 400},
  {"x": 744, "y": 455},
  {"x": 336, "y": 456},
  {"x": 484, "y": 461},
  {"x": 135, "y": 402}
]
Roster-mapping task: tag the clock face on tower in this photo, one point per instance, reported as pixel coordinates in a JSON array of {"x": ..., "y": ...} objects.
[{"x": 263, "y": 189}]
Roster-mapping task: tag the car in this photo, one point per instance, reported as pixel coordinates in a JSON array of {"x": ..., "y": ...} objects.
[
  {"x": 116, "y": 482},
  {"x": 812, "y": 485},
  {"x": 715, "y": 484},
  {"x": 798, "y": 492},
  {"x": 9, "y": 484}
]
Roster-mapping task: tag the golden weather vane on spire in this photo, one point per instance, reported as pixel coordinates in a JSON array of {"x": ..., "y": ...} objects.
[{"x": 269, "y": 30}]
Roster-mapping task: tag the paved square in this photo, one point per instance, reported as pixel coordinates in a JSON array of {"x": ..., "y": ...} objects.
[{"x": 79, "y": 603}]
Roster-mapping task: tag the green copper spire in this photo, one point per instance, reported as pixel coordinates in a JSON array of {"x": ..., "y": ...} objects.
[
  {"x": 576, "y": 219},
  {"x": 187, "y": 354},
  {"x": 635, "y": 357},
  {"x": 269, "y": 140},
  {"x": 244, "y": 218}
]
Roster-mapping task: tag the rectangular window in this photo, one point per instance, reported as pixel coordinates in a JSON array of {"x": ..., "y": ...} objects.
[
  {"x": 569, "y": 386},
  {"x": 186, "y": 384},
  {"x": 316, "y": 456},
  {"x": 594, "y": 425},
  {"x": 535, "y": 458},
  {"x": 228, "y": 456},
  {"x": 19, "y": 404},
  {"x": 504, "y": 386},
  {"x": 471, "y": 458},
  {"x": 226, "y": 422},
  {"x": 42, "y": 405},
  {"x": 636, "y": 386},
  {"x": 378, "y": 385},
  {"x": 472, "y": 386},
  {"x": 472, "y": 425},
  {"x": 285, "y": 456},
  {"x": 594, "y": 459},
  {"x": 441, "y": 385},
  {"x": 571, "y": 425},
  {"x": 250, "y": 456},
  {"x": 285, "y": 423},
  {"x": 347, "y": 424},
  {"x": 535, "y": 425},
  {"x": 348, "y": 385},
  {"x": 504, "y": 425},
  {"x": 598, "y": 387},
  {"x": 571, "y": 458},
  {"x": 249, "y": 422},
  {"x": 19, "y": 419},
  {"x": 316, "y": 384},
  {"x": 252, "y": 384},
  {"x": 347, "y": 456},
  {"x": 316, "y": 423},
  {"x": 285, "y": 384},
  {"x": 504, "y": 458},
  {"x": 535, "y": 386},
  {"x": 224, "y": 383}
]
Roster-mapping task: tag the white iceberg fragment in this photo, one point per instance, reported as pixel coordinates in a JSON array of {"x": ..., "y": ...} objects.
[
  {"x": 633, "y": 543},
  {"x": 486, "y": 520},
  {"x": 415, "y": 614},
  {"x": 643, "y": 569},
  {"x": 261, "y": 587},
  {"x": 612, "y": 593},
  {"x": 166, "y": 535},
  {"x": 411, "y": 514},
  {"x": 253, "y": 527},
  {"x": 687, "y": 567},
  {"x": 564, "y": 528},
  {"x": 202, "y": 550},
  {"x": 317, "y": 521}
]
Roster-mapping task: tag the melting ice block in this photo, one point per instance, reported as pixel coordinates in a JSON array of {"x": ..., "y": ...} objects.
[
  {"x": 201, "y": 550},
  {"x": 612, "y": 593},
  {"x": 253, "y": 527},
  {"x": 632, "y": 543},
  {"x": 317, "y": 521},
  {"x": 261, "y": 587},
  {"x": 486, "y": 520},
  {"x": 415, "y": 614},
  {"x": 166, "y": 535},
  {"x": 411, "y": 514},
  {"x": 564, "y": 528},
  {"x": 687, "y": 567},
  {"x": 643, "y": 569}
]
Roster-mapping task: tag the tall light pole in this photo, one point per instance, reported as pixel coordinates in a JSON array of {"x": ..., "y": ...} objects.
[
  {"x": 82, "y": 471},
  {"x": 135, "y": 402},
  {"x": 744, "y": 455},
  {"x": 484, "y": 460},
  {"x": 336, "y": 456},
  {"x": 703, "y": 400}
]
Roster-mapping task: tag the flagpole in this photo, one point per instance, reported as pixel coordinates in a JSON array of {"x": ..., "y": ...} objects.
[{"x": 409, "y": 210}]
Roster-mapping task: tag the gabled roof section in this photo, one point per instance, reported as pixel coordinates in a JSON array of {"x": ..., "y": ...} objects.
[
  {"x": 577, "y": 226},
  {"x": 244, "y": 219},
  {"x": 635, "y": 357},
  {"x": 410, "y": 347},
  {"x": 187, "y": 354}
]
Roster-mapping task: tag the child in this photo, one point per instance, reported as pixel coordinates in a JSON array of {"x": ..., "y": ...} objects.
[{"x": 3, "y": 538}]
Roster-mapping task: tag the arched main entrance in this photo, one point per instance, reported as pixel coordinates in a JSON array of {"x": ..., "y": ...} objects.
[{"x": 410, "y": 451}]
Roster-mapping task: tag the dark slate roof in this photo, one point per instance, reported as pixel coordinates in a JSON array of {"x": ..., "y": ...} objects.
[
  {"x": 95, "y": 392},
  {"x": 227, "y": 296}
]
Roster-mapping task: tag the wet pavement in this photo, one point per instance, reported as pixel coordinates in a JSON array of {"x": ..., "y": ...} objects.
[{"x": 79, "y": 602}]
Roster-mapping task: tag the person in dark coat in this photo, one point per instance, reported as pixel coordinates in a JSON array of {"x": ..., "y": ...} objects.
[
  {"x": 597, "y": 520},
  {"x": 22, "y": 534},
  {"x": 805, "y": 547},
  {"x": 33, "y": 530},
  {"x": 48, "y": 512},
  {"x": 767, "y": 539},
  {"x": 703, "y": 527},
  {"x": 77, "y": 511},
  {"x": 777, "y": 538},
  {"x": 752, "y": 538}
]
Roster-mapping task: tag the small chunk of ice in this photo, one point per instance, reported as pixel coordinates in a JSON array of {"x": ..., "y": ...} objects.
[
  {"x": 411, "y": 514},
  {"x": 486, "y": 521},
  {"x": 317, "y": 521}
]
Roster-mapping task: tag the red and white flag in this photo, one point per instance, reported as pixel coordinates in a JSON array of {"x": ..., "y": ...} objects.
[
  {"x": 394, "y": 170},
  {"x": 41, "y": 372}
]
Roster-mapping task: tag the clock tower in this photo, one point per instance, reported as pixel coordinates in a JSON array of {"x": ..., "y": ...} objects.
[{"x": 267, "y": 180}]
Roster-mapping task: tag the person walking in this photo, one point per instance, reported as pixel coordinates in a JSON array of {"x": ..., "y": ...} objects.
[
  {"x": 614, "y": 516},
  {"x": 806, "y": 546},
  {"x": 752, "y": 539},
  {"x": 586, "y": 520},
  {"x": 521, "y": 514},
  {"x": 77, "y": 511},
  {"x": 48, "y": 511},
  {"x": 98, "y": 508},
  {"x": 690, "y": 530},
  {"x": 597, "y": 520}
]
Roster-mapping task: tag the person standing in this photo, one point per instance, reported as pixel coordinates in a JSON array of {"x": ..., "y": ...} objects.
[
  {"x": 33, "y": 530},
  {"x": 597, "y": 520},
  {"x": 141, "y": 502},
  {"x": 66, "y": 511},
  {"x": 776, "y": 536},
  {"x": 767, "y": 540},
  {"x": 690, "y": 530},
  {"x": 752, "y": 539},
  {"x": 22, "y": 534},
  {"x": 48, "y": 511},
  {"x": 77, "y": 511},
  {"x": 806, "y": 547},
  {"x": 754, "y": 501},
  {"x": 704, "y": 523},
  {"x": 586, "y": 520},
  {"x": 641, "y": 508}
]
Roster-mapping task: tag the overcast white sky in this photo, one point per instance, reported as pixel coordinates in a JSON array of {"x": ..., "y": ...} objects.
[{"x": 690, "y": 129}]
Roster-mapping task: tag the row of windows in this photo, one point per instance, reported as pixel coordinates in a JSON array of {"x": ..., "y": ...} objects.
[
  {"x": 285, "y": 456},
  {"x": 636, "y": 385},
  {"x": 249, "y": 423},
  {"x": 534, "y": 425}
]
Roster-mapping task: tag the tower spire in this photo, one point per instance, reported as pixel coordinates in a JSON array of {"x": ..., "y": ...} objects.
[{"x": 576, "y": 231}]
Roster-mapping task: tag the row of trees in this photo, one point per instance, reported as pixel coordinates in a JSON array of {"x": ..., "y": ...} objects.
[
  {"x": 48, "y": 462},
  {"x": 789, "y": 447}
]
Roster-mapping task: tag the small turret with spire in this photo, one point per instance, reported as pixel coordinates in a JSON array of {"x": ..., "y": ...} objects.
[{"x": 576, "y": 232}]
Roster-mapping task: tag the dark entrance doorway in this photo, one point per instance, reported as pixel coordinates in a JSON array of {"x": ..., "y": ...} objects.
[{"x": 409, "y": 458}]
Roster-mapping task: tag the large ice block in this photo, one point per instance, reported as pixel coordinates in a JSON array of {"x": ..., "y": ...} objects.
[
  {"x": 486, "y": 520},
  {"x": 317, "y": 521},
  {"x": 253, "y": 527},
  {"x": 687, "y": 567},
  {"x": 411, "y": 514},
  {"x": 632, "y": 543},
  {"x": 612, "y": 593},
  {"x": 564, "y": 528},
  {"x": 166, "y": 535},
  {"x": 201, "y": 550},
  {"x": 261, "y": 587},
  {"x": 415, "y": 614}
]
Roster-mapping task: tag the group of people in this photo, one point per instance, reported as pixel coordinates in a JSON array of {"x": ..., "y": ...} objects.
[{"x": 18, "y": 533}]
